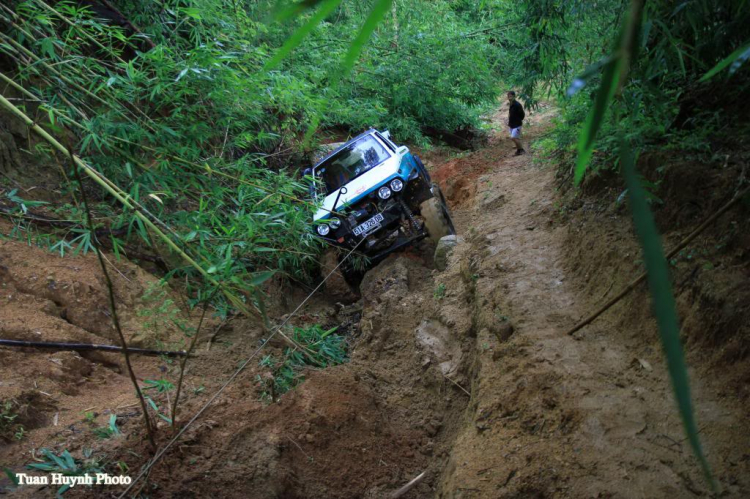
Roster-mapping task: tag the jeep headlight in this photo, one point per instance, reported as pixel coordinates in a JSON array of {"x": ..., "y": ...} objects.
[
  {"x": 397, "y": 185},
  {"x": 323, "y": 229},
  {"x": 335, "y": 223},
  {"x": 384, "y": 192}
]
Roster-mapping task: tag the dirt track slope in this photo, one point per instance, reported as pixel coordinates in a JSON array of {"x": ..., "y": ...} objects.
[
  {"x": 560, "y": 416},
  {"x": 464, "y": 374}
]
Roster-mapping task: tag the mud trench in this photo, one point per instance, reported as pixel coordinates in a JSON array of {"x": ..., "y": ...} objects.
[{"x": 463, "y": 374}]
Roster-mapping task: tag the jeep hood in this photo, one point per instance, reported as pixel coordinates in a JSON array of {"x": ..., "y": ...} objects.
[{"x": 361, "y": 186}]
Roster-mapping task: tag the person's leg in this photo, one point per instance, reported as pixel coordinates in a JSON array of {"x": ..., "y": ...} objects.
[{"x": 516, "y": 137}]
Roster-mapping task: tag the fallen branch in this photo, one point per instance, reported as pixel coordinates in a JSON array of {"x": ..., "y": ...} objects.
[
  {"x": 461, "y": 387},
  {"x": 710, "y": 220},
  {"x": 406, "y": 488},
  {"x": 87, "y": 347}
]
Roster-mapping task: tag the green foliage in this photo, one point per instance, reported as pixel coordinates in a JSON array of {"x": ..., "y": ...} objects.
[
  {"x": 647, "y": 66},
  {"x": 321, "y": 349},
  {"x": 664, "y": 100},
  {"x": 439, "y": 292},
  {"x": 161, "y": 313},
  {"x": 201, "y": 136},
  {"x": 400, "y": 81},
  {"x": 733, "y": 60},
  {"x": 158, "y": 387},
  {"x": 67, "y": 465},
  {"x": 10, "y": 429},
  {"x": 12, "y": 477},
  {"x": 205, "y": 106},
  {"x": 109, "y": 431},
  {"x": 615, "y": 76},
  {"x": 22, "y": 204}
]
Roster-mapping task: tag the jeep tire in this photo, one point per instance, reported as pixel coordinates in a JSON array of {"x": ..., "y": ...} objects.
[
  {"x": 437, "y": 218},
  {"x": 336, "y": 285}
]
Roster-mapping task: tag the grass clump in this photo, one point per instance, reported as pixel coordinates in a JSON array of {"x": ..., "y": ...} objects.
[
  {"x": 109, "y": 431},
  {"x": 439, "y": 292},
  {"x": 322, "y": 349},
  {"x": 67, "y": 465},
  {"x": 10, "y": 428}
]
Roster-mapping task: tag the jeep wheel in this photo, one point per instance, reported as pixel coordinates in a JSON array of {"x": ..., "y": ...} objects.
[
  {"x": 437, "y": 218},
  {"x": 336, "y": 285}
]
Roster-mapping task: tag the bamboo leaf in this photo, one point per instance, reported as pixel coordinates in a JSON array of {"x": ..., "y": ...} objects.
[
  {"x": 595, "y": 118},
  {"x": 379, "y": 10},
  {"x": 58, "y": 461},
  {"x": 327, "y": 7},
  {"x": 588, "y": 74},
  {"x": 12, "y": 476},
  {"x": 663, "y": 303},
  {"x": 287, "y": 10},
  {"x": 262, "y": 277},
  {"x": 613, "y": 77},
  {"x": 736, "y": 59}
]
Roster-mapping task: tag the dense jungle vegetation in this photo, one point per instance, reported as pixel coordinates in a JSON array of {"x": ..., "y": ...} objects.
[
  {"x": 199, "y": 114},
  {"x": 175, "y": 102}
]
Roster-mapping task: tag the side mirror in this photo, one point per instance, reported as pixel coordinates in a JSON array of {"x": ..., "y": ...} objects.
[
  {"x": 387, "y": 135},
  {"x": 307, "y": 171}
]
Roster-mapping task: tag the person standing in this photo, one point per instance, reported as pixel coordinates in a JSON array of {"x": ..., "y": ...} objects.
[{"x": 515, "y": 121}]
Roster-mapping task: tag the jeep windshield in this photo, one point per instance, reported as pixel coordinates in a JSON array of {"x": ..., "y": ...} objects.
[{"x": 350, "y": 162}]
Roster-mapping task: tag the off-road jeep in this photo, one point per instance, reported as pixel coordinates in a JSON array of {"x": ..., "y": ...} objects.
[{"x": 372, "y": 189}]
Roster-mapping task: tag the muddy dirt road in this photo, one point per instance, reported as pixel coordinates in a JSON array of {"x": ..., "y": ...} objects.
[
  {"x": 465, "y": 374},
  {"x": 559, "y": 416}
]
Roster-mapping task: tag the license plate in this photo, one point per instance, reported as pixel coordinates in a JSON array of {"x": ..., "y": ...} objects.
[{"x": 372, "y": 223}]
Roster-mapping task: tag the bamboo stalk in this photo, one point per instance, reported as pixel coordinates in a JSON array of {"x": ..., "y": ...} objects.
[
  {"x": 65, "y": 117},
  {"x": 123, "y": 199},
  {"x": 111, "y": 184},
  {"x": 43, "y": 103},
  {"x": 151, "y": 149},
  {"x": 21, "y": 63},
  {"x": 96, "y": 42},
  {"x": 635, "y": 282},
  {"x": 87, "y": 347}
]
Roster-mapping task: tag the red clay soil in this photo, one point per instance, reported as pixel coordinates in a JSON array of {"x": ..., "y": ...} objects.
[{"x": 362, "y": 429}]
